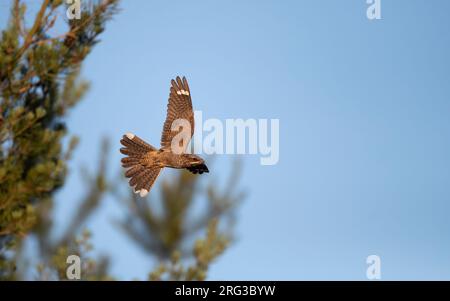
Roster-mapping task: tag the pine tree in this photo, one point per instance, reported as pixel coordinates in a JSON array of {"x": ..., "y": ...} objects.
[
  {"x": 166, "y": 235},
  {"x": 39, "y": 85}
]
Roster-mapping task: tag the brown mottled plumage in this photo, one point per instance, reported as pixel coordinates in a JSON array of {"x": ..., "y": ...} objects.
[{"x": 144, "y": 162}]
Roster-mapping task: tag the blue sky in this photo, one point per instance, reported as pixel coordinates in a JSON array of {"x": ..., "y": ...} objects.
[{"x": 363, "y": 107}]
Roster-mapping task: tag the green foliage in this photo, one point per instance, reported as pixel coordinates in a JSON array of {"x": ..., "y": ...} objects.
[
  {"x": 205, "y": 251},
  {"x": 91, "y": 269},
  {"x": 39, "y": 85},
  {"x": 38, "y": 79},
  {"x": 167, "y": 235}
]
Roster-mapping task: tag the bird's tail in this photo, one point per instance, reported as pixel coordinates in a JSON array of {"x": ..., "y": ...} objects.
[{"x": 141, "y": 177}]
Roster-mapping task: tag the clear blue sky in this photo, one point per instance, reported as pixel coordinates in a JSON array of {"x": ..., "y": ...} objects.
[{"x": 364, "y": 128}]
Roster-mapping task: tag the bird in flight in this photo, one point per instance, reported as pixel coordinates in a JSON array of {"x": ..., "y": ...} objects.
[{"x": 144, "y": 162}]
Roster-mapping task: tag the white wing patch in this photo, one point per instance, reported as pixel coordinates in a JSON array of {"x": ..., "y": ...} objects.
[{"x": 182, "y": 92}]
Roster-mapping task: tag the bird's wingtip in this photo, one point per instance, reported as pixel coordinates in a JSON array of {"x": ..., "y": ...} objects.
[{"x": 130, "y": 136}]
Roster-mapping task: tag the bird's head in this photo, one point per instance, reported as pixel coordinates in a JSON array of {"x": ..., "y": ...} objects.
[
  {"x": 194, "y": 159},
  {"x": 196, "y": 164}
]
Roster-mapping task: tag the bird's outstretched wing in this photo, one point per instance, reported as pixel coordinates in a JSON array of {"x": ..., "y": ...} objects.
[{"x": 179, "y": 108}]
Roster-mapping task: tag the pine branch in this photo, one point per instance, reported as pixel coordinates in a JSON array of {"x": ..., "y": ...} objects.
[{"x": 29, "y": 37}]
